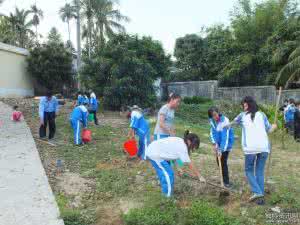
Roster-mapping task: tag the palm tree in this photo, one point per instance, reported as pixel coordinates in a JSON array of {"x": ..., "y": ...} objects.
[
  {"x": 21, "y": 27},
  {"x": 67, "y": 13},
  {"x": 37, "y": 16},
  {"x": 291, "y": 70},
  {"x": 107, "y": 19}
]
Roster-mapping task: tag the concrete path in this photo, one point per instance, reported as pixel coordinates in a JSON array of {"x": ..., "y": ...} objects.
[{"x": 25, "y": 194}]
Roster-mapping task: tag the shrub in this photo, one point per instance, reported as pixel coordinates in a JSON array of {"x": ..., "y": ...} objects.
[
  {"x": 196, "y": 100},
  {"x": 73, "y": 217},
  {"x": 201, "y": 213}
]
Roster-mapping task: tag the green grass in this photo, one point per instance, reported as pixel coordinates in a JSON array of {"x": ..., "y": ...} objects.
[{"x": 115, "y": 177}]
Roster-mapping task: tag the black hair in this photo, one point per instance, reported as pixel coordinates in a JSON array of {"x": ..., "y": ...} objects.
[
  {"x": 286, "y": 100},
  {"x": 193, "y": 138},
  {"x": 292, "y": 101},
  {"x": 173, "y": 96},
  {"x": 49, "y": 93},
  {"x": 252, "y": 106},
  {"x": 15, "y": 107},
  {"x": 212, "y": 110},
  {"x": 79, "y": 93}
]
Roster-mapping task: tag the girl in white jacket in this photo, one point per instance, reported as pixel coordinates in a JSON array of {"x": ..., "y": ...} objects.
[{"x": 255, "y": 144}]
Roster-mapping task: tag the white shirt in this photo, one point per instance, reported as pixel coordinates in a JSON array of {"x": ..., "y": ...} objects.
[
  {"x": 170, "y": 148},
  {"x": 254, "y": 133}
]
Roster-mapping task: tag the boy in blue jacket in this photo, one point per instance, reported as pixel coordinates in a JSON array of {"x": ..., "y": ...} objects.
[
  {"x": 139, "y": 126},
  {"x": 78, "y": 116},
  {"x": 80, "y": 98},
  {"x": 93, "y": 108},
  {"x": 222, "y": 139},
  {"x": 289, "y": 113}
]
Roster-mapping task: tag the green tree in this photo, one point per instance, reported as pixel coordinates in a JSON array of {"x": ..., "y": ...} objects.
[
  {"x": 107, "y": 19},
  {"x": 67, "y": 13},
  {"x": 54, "y": 36},
  {"x": 21, "y": 27},
  {"x": 50, "y": 64},
  {"x": 37, "y": 16},
  {"x": 125, "y": 69},
  {"x": 6, "y": 34}
]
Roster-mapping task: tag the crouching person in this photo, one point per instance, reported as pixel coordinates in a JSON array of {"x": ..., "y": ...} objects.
[
  {"x": 78, "y": 116},
  {"x": 162, "y": 151},
  {"x": 139, "y": 126},
  {"x": 222, "y": 138}
]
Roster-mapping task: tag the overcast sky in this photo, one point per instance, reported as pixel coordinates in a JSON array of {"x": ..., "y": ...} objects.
[{"x": 164, "y": 20}]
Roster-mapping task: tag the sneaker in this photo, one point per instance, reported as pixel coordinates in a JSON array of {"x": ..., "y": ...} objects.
[
  {"x": 228, "y": 185},
  {"x": 255, "y": 196},
  {"x": 260, "y": 201}
]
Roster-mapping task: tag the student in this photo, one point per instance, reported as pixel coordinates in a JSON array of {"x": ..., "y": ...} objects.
[
  {"x": 165, "y": 119},
  {"x": 297, "y": 122},
  {"x": 16, "y": 115},
  {"x": 86, "y": 99},
  {"x": 222, "y": 139},
  {"x": 255, "y": 144},
  {"x": 289, "y": 116},
  {"x": 140, "y": 126},
  {"x": 78, "y": 116},
  {"x": 162, "y": 151},
  {"x": 80, "y": 99},
  {"x": 93, "y": 107},
  {"x": 48, "y": 109}
]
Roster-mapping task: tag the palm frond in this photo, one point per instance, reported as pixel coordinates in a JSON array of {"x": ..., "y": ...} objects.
[
  {"x": 287, "y": 70},
  {"x": 294, "y": 54},
  {"x": 293, "y": 77}
]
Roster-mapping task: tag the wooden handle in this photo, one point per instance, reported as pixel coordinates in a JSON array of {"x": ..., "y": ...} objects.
[
  {"x": 277, "y": 105},
  {"x": 221, "y": 171}
]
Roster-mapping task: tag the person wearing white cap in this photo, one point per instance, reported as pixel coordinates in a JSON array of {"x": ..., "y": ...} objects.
[{"x": 139, "y": 126}]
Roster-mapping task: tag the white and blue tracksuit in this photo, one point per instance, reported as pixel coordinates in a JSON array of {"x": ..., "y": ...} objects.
[
  {"x": 142, "y": 130},
  {"x": 86, "y": 100},
  {"x": 78, "y": 116},
  {"x": 80, "y": 100},
  {"x": 93, "y": 104},
  {"x": 289, "y": 113},
  {"x": 223, "y": 137}
]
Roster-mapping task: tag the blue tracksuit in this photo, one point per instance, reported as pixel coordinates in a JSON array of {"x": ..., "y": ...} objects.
[
  {"x": 142, "y": 129},
  {"x": 86, "y": 100},
  {"x": 289, "y": 113},
  {"x": 79, "y": 115},
  {"x": 223, "y": 137},
  {"x": 93, "y": 104},
  {"x": 80, "y": 100}
]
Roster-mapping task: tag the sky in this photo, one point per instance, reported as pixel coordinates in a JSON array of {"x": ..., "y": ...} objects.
[{"x": 164, "y": 20}]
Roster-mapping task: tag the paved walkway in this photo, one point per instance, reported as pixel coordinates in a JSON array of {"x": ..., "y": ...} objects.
[{"x": 25, "y": 195}]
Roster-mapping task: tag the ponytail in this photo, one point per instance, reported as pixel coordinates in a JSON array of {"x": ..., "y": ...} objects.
[{"x": 193, "y": 138}]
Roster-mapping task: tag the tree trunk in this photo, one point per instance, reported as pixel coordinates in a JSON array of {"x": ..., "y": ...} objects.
[
  {"x": 78, "y": 41},
  {"x": 89, "y": 36},
  {"x": 68, "y": 21},
  {"x": 36, "y": 34}
]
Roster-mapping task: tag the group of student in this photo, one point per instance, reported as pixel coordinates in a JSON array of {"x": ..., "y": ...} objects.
[
  {"x": 291, "y": 112},
  {"x": 49, "y": 107},
  {"x": 166, "y": 150}
]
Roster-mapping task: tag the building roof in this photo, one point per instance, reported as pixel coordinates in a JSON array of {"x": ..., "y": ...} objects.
[{"x": 13, "y": 49}]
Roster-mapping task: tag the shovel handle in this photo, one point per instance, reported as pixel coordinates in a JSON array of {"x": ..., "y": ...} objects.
[{"x": 221, "y": 171}]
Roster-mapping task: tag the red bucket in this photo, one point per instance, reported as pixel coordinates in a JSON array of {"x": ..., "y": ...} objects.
[
  {"x": 86, "y": 136},
  {"x": 130, "y": 146}
]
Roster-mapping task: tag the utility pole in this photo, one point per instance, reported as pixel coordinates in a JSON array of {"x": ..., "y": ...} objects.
[{"x": 78, "y": 42}]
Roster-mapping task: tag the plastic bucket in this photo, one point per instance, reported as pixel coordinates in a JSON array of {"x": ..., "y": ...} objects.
[{"x": 130, "y": 146}]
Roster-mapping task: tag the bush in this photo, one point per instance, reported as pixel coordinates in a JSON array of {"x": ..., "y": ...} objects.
[
  {"x": 269, "y": 110},
  {"x": 196, "y": 100},
  {"x": 73, "y": 217},
  {"x": 165, "y": 213},
  {"x": 201, "y": 213}
]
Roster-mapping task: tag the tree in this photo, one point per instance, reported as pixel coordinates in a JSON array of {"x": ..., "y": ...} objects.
[
  {"x": 21, "y": 27},
  {"x": 54, "y": 36},
  {"x": 50, "y": 64},
  {"x": 107, "y": 19},
  {"x": 37, "y": 16},
  {"x": 6, "y": 34},
  {"x": 125, "y": 69},
  {"x": 67, "y": 13}
]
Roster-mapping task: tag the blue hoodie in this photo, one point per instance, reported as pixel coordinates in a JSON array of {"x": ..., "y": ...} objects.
[
  {"x": 223, "y": 137},
  {"x": 80, "y": 100},
  {"x": 80, "y": 113},
  {"x": 139, "y": 123}
]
